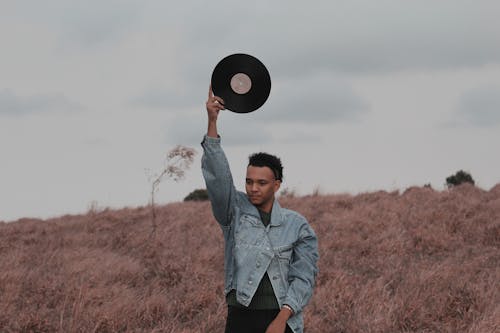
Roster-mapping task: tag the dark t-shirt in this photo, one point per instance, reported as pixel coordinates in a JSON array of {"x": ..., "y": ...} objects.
[{"x": 264, "y": 298}]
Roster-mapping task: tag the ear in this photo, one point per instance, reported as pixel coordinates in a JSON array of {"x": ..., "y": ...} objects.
[{"x": 277, "y": 184}]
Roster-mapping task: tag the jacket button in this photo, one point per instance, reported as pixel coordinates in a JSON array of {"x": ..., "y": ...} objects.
[
  {"x": 250, "y": 282},
  {"x": 257, "y": 265},
  {"x": 275, "y": 277}
]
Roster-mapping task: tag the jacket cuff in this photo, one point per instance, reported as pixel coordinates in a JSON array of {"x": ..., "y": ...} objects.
[
  {"x": 291, "y": 303},
  {"x": 208, "y": 140}
]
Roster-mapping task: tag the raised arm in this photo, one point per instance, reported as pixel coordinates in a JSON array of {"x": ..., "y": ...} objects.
[
  {"x": 214, "y": 105},
  {"x": 215, "y": 167}
]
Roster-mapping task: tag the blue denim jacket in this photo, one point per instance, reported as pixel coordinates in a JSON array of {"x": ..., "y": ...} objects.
[{"x": 287, "y": 248}]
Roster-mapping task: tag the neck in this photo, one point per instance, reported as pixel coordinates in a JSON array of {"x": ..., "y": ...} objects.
[{"x": 266, "y": 207}]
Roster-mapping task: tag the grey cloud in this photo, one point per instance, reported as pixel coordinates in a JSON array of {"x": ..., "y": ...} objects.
[
  {"x": 298, "y": 136},
  {"x": 96, "y": 142},
  {"x": 184, "y": 131},
  {"x": 161, "y": 99},
  {"x": 242, "y": 129},
  {"x": 84, "y": 23},
  {"x": 12, "y": 104},
  {"x": 295, "y": 40},
  {"x": 243, "y": 133},
  {"x": 316, "y": 100},
  {"x": 479, "y": 107},
  {"x": 102, "y": 22},
  {"x": 189, "y": 127},
  {"x": 353, "y": 37},
  {"x": 186, "y": 94},
  {"x": 333, "y": 38}
]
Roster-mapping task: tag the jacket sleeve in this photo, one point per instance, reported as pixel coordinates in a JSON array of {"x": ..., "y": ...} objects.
[
  {"x": 218, "y": 178},
  {"x": 303, "y": 269}
]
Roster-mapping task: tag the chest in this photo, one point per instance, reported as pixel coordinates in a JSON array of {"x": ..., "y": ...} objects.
[{"x": 250, "y": 231}]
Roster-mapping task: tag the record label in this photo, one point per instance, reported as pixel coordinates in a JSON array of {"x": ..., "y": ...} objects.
[{"x": 241, "y": 83}]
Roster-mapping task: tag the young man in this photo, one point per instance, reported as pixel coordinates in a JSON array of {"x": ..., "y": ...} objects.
[{"x": 270, "y": 253}]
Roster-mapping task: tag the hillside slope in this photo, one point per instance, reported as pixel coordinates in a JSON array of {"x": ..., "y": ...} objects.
[{"x": 418, "y": 261}]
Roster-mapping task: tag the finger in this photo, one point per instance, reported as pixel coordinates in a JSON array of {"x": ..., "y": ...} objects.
[
  {"x": 210, "y": 93},
  {"x": 219, "y": 107},
  {"x": 218, "y": 99},
  {"x": 215, "y": 105}
]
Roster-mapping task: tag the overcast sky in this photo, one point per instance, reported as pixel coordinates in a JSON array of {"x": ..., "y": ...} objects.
[{"x": 366, "y": 95}]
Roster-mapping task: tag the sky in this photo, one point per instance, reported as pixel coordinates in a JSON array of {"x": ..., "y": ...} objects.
[{"x": 366, "y": 96}]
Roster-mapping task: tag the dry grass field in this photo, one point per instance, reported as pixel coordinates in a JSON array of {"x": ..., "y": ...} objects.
[{"x": 416, "y": 261}]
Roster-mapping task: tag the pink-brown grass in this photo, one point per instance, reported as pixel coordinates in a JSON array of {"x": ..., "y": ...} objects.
[{"x": 418, "y": 261}]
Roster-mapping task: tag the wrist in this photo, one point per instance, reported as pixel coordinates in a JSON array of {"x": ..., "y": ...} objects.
[
  {"x": 288, "y": 308},
  {"x": 212, "y": 129},
  {"x": 285, "y": 313}
]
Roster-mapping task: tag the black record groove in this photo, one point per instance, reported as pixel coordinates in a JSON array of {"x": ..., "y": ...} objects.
[{"x": 242, "y": 81}]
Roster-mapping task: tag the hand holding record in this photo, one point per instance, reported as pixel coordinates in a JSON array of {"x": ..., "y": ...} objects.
[{"x": 214, "y": 105}]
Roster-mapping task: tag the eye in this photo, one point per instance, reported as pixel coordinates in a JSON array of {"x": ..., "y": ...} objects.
[{"x": 262, "y": 182}]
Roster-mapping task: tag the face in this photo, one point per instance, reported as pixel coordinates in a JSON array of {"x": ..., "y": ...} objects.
[{"x": 261, "y": 187}]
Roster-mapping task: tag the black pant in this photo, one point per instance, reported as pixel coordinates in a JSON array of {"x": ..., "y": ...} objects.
[{"x": 250, "y": 321}]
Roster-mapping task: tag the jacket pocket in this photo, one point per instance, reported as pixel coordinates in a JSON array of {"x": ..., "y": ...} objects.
[
  {"x": 249, "y": 231},
  {"x": 284, "y": 254}
]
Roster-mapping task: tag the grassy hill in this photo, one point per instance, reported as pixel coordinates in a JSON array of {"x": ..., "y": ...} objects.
[{"x": 418, "y": 261}]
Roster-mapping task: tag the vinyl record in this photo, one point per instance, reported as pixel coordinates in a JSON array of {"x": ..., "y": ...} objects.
[{"x": 242, "y": 81}]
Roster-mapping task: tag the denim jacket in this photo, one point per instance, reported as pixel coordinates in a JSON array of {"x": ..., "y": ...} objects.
[{"x": 287, "y": 248}]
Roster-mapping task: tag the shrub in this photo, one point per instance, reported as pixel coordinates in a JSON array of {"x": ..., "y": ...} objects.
[
  {"x": 459, "y": 178},
  {"x": 197, "y": 195},
  {"x": 178, "y": 161}
]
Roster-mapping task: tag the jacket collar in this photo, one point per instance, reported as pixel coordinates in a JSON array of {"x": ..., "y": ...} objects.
[{"x": 276, "y": 212}]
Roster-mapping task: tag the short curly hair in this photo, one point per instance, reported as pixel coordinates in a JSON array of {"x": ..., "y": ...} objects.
[{"x": 267, "y": 160}]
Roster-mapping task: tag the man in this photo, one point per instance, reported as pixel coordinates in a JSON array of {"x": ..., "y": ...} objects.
[{"x": 270, "y": 253}]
